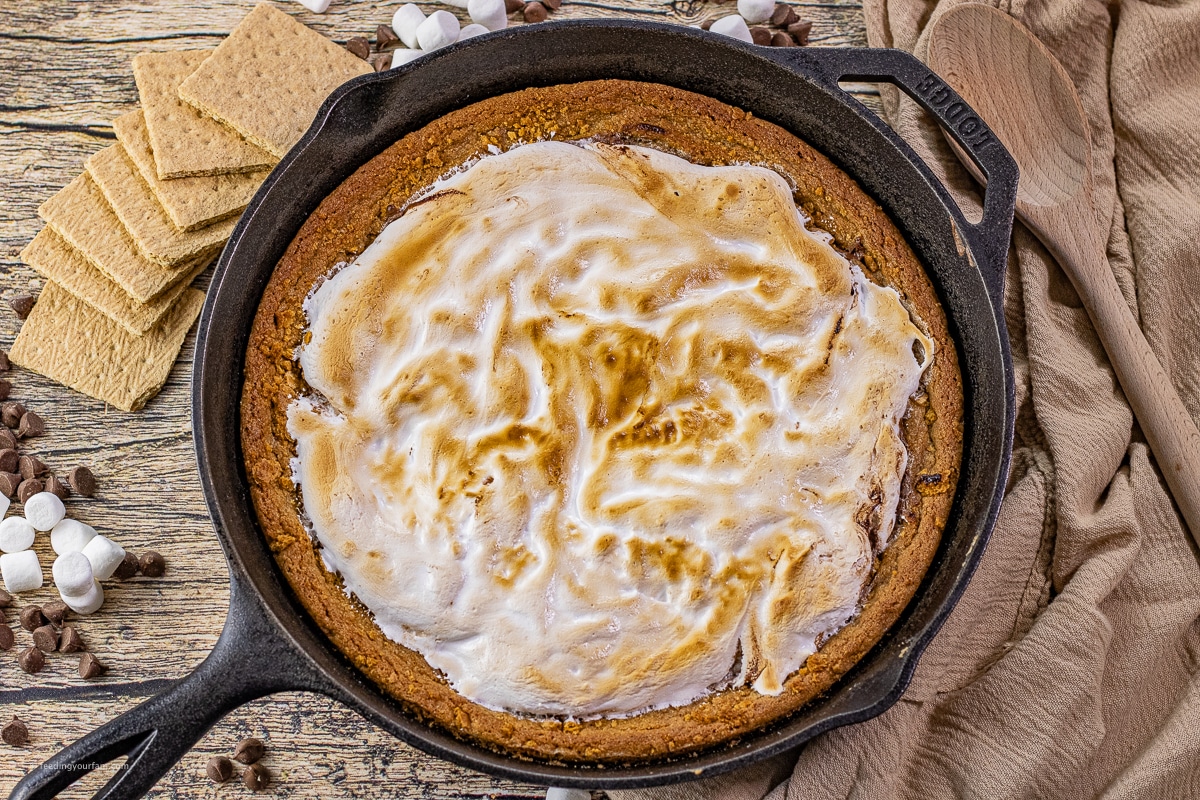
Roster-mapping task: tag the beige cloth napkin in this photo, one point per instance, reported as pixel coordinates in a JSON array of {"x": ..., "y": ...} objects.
[{"x": 1071, "y": 666}]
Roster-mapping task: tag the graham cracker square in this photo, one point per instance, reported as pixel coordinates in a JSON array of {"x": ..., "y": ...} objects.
[
  {"x": 140, "y": 212},
  {"x": 52, "y": 257},
  {"x": 184, "y": 141},
  {"x": 68, "y": 341},
  {"x": 80, "y": 214},
  {"x": 269, "y": 77},
  {"x": 191, "y": 203}
]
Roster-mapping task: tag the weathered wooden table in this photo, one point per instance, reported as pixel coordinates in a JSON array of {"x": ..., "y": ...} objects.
[{"x": 64, "y": 75}]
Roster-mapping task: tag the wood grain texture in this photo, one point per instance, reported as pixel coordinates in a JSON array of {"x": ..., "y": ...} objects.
[{"x": 64, "y": 76}]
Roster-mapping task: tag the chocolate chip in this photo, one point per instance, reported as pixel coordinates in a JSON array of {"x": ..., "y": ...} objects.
[
  {"x": 7, "y": 637},
  {"x": 70, "y": 641},
  {"x": 386, "y": 39},
  {"x": 784, "y": 15},
  {"x": 219, "y": 769},
  {"x": 90, "y": 667},
  {"x": 381, "y": 62},
  {"x": 11, "y": 413},
  {"x": 9, "y": 481},
  {"x": 5, "y": 389},
  {"x": 5, "y": 364},
  {"x": 10, "y": 460},
  {"x": 15, "y": 733},
  {"x": 22, "y": 304},
  {"x": 8, "y": 440},
  {"x": 256, "y": 777},
  {"x": 536, "y": 12},
  {"x": 58, "y": 487},
  {"x": 32, "y": 618},
  {"x": 31, "y": 425},
  {"x": 128, "y": 567},
  {"x": 56, "y": 612},
  {"x": 359, "y": 46},
  {"x": 28, "y": 466},
  {"x": 760, "y": 35},
  {"x": 782, "y": 39},
  {"x": 82, "y": 481},
  {"x": 249, "y": 751},
  {"x": 800, "y": 31},
  {"x": 553, "y": 5},
  {"x": 513, "y": 6},
  {"x": 706, "y": 24},
  {"x": 28, "y": 489},
  {"x": 31, "y": 660},
  {"x": 45, "y": 639},
  {"x": 6, "y": 599},
  {"x": 152, "y": 564}
]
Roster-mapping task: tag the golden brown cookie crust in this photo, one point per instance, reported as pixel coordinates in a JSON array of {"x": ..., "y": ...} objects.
[{"x": 704, "y": 131}]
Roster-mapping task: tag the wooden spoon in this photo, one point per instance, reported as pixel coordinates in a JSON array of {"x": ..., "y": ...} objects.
[{"x": 1025, "y": 95}]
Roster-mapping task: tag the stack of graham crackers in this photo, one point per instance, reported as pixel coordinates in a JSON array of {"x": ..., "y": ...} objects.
[{"x": 124, "y": 240}]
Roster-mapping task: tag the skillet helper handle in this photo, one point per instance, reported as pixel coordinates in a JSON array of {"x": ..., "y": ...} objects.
[
  {"x": 251, "y": 660},
  {"x": 989, "y": 237}
]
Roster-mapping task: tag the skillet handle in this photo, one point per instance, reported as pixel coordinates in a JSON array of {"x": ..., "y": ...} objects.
[
  {"x": 989, "y": 237},
  {"x": 251, "y": 659}
]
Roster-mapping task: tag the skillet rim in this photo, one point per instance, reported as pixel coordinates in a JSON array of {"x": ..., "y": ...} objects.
[{"x": 760, "y": 744}]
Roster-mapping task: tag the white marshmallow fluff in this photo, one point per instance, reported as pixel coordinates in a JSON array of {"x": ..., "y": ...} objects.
[{"x": 597, "y": 430}]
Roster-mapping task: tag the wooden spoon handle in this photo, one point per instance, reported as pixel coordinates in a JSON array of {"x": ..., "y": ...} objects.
[{"x": 1168, "y": 426}]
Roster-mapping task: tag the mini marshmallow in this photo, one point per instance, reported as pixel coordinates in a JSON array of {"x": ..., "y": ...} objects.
[
  {"x": 402, "y": 57},
  {"x": 70, "y": 535},
  {"x": 558, "y": 793},
  {"x": 87, "y": 603},
  {"x": 405, "y": 22},
  {"x": 22, "y": 571},
  {"x": 105, "y": 555},
  {"x": 4, "y": 504},
  {"x": 16, "y": 534},
  {"x": 491, "y": 14},
  {"x": 474, "y": 29},
  {"x": 756, "y": 11},
  {"x": 73, "y": 574},
  {"x": 455, "y": 3},
  {"x": 44, "y": 510},
  {"x": 734, "y": 26},
  {"x": 438, "y": 30},
  {"x": 317, "y": 6}
]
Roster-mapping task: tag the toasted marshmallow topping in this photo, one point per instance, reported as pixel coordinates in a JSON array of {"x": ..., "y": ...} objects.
[{"x": 599, "y": 430}]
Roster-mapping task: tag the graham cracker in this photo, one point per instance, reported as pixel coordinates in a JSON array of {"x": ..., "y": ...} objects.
[
  {"x": 68, "y": 341},
  {"x": 80, "y": 214},
  {"x": 184, "y": 141},
  {"x": 52, "y": 257},
  {"x": 269, "y": 77},
  {"x": 191, "y": 203},
  {"x": 140, "y": 212}
]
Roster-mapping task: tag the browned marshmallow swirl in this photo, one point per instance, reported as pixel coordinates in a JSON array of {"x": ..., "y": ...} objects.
[{"x": 596, "y": 430}]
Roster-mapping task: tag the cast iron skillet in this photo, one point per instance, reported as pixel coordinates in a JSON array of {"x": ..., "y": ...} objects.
[{"x": 270, "y": 645}]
